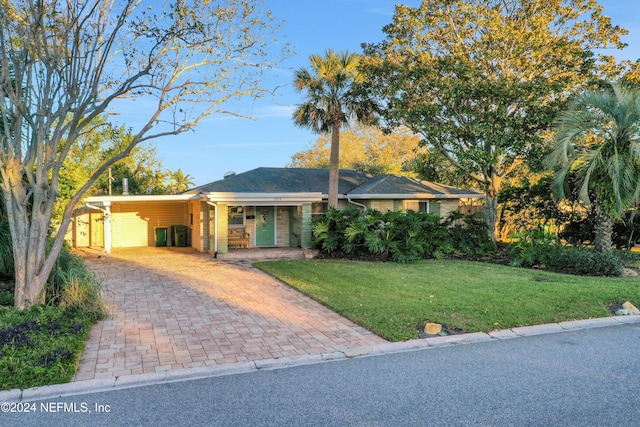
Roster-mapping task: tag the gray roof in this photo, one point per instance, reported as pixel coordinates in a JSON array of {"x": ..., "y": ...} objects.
[
  {"x": 395, "y": 185},
  {"x": 284, "y": 180},
  {"x": 352, "y": 183}
]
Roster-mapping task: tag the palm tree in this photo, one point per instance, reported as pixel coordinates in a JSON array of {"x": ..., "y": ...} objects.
[
  {"x": 335, "y": 96},
  {"x": 597, "y": 139},
  {"x": 179, "y": 182}
]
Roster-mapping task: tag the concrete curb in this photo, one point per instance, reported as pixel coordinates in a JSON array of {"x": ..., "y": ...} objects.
[{"x": 138, "y": 380}]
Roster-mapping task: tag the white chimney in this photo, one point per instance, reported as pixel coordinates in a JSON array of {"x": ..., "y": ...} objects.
[{"x": 125, "y": 187}]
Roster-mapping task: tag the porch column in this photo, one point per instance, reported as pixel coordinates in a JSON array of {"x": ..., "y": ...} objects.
[
  {"x": 222, "y": 219},
  {"x": 107, "y": 228},
  {"x": 305, "y": 234}
]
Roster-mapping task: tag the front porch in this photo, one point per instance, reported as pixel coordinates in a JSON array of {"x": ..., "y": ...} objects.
[{"x": 257, "y": 226}]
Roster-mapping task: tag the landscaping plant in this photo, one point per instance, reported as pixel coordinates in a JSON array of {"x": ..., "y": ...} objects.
[
  {"x": 398, "y": 236},
  {"x": 72, "y": 285},
  {"x": 41, "y": 346}
]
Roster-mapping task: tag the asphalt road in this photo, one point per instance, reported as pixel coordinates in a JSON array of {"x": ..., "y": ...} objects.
[{"x": 580, "y": 378}]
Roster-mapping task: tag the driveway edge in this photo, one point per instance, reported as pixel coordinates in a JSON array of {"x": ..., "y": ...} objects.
[{"x": 139, "y": 380}]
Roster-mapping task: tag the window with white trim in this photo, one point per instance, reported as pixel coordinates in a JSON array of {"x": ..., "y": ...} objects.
[
  {"x": 430, "y": 206},
  {"x": 236, "y": 215}
]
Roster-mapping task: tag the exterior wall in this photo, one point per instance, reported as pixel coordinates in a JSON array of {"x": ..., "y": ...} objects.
[
  {"x": 382, "y": 205},
  {"x": 449, "y": 205},
  {"x": 133, "y": 223},
  {"x": 446, "y": 206},
  {"x": 282, "y": 226}
]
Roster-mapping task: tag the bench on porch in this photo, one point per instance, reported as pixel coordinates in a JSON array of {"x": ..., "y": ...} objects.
[{"x": 238, "y": 237}]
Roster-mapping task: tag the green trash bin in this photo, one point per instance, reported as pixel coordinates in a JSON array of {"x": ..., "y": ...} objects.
[
  {"x": 161, "y": 236},
  {"x": 180, "y": 235}
]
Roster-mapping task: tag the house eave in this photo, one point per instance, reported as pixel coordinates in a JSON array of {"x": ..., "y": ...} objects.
[
  {"x": 262, "y": 199},
  {"x": 414, "y": 196},
  {"x": 140, "y": 198}
]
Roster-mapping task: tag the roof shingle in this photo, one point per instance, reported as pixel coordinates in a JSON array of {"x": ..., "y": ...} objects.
[{"x": 352, "y": 183}]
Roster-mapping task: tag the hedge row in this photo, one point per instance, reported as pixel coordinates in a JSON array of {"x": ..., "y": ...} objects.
[{"x": 398, "y": 236}]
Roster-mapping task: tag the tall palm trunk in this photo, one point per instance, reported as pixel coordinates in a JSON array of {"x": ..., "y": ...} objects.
[
  {"x": 334, "y": 165},
  {"x": 603, "y": 230}
]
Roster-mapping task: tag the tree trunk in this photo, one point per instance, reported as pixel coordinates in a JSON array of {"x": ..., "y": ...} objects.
[
  {"x": 29, "y": 252},
  {"x": 491, "y": 207},
  {"x": 29, "y": 229},
  {"x": 334, "y": 166},
  {"x": 603, "y": 230},
  {"x": 490, "y": 214}
]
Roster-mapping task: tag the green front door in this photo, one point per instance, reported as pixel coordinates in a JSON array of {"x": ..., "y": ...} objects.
[{"x": 265, "y": 226}]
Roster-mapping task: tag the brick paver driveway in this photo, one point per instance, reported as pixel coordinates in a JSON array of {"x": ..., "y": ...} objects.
[{"x": 174, "y": 308}]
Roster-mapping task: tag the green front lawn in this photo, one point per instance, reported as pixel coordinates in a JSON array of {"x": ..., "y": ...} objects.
[{"x": 392, "y": 299}]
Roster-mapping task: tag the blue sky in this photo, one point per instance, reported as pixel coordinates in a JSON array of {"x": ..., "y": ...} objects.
[{"x": 223, "y": 143}]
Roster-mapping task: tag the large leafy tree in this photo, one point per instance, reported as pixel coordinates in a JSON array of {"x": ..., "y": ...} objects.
[
  {"x": 143, "y": 167},
  {"x": 65, "y": 63},
  {"x": 482, "y": 80},
  {"x": 598, "y": 143},
  {"x": 334, "y": 98},
  {"x": 366, "y": 149}
]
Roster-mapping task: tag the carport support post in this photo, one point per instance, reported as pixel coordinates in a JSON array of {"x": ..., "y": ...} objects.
[{"x": 107, "y": 228}]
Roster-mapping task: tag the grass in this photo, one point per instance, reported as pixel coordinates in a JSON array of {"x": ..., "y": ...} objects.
[
  {"x": 392, "y": 299},
  {"x": 41, "y": 346}
]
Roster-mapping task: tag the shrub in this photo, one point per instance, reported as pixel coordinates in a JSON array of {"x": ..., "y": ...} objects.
[
  {"x": 328, "y": 230},
  {"x": 578, "y": 231},
  {"x": 629, "y": 259},
  {"x": 532, "y": 248},
  {"x": 72, "y": 285},
  {"x": 6, "y": 250},
  {"x": 41, "y": 346},
  {"x": 586, "y": 262},
  {"x": 626, "y": 231},
  {"x": 469, "y": 233},
  {"x": 544, "y": 249},
  {"x": 398, "y": 236},
  {"x": 6, "y": 293}
]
